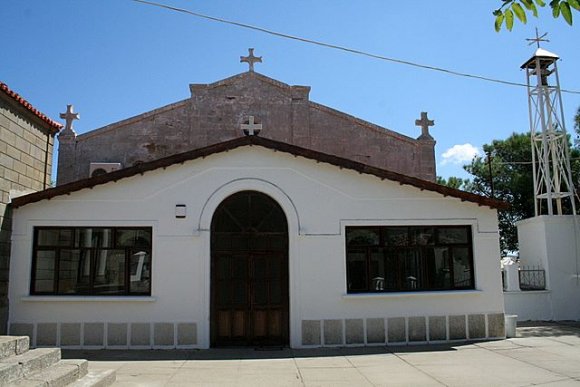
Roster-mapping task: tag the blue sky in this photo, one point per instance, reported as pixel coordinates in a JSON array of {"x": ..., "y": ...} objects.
[{"x": 114, "y": 59}]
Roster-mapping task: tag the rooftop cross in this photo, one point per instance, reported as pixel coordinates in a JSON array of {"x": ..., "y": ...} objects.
[
  {"x": 251, "y": 59},
  {"x": 251, "y": 128},
  {"x": 538, "y": 39},
  {"x": 424, "y": 123},
  {"x": 69, "y": 117}
]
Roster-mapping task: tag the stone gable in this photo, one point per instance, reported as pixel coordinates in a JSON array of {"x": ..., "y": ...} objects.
[{"x": 215, "y": 112}]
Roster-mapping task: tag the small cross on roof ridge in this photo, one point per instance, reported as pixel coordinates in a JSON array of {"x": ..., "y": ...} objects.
[
  {"x": 69, "y": 116},
  {"x": 251, "y": 59},
  {"x": 538, "y": 38}
]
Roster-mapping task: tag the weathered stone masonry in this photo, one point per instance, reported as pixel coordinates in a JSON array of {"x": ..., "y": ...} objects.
[
  {"x": 215, "y": 113},
  {"x": 26, "y": 145}
]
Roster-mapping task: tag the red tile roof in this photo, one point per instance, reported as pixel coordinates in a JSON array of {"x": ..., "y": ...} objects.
[
  {"x": 54, "y": 126},
  {"x": 78, "y": 185}
]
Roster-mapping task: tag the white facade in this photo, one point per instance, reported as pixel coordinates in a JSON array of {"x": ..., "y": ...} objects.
[
  {"x": 551, "y": 243},
  {"x": 319, "y": 201}
]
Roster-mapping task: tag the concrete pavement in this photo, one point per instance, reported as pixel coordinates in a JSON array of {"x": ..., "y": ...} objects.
[{"x": 541, "y": 354}]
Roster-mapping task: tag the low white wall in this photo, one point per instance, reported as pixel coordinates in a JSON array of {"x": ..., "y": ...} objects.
[
  {"x": 552, "y": 242},
  {"x": 529, "y": 305}
]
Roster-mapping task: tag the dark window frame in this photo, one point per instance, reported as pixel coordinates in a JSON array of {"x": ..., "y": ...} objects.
[
  {"x": 398, "y": 256},
  {"x": 115, "y": 245}
]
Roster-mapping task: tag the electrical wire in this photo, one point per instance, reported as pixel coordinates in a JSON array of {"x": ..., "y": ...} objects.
[
  {"x": 522, "y": 162},
  {"x": 337, "y": 47},
  {"x": 526, "y": 162}
]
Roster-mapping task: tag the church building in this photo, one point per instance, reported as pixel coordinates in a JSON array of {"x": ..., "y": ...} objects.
[{"x": 248, "y": 215}]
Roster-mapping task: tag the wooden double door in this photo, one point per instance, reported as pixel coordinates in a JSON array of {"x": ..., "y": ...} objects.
[{"x": 249, "y": 272}]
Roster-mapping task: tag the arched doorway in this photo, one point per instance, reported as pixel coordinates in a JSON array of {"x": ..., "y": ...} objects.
[{"x": 249, "y": 272}]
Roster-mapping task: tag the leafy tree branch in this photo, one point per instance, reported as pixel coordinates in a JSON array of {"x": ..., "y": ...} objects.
[{"x": 511, "y": 10}]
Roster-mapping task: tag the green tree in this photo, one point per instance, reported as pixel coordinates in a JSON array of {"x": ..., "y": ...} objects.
[
  {"x": 519, "y": 9},
  {"x": 454, "y": 182}
]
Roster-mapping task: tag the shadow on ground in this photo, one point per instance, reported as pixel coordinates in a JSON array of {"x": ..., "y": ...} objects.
[
  {"x": 548, "y": 328},
  {"x": 246, "y": 353}
]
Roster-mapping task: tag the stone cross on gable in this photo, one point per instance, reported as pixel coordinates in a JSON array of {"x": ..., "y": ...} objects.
[
  {"x": 69, "y": 117},
  {"x": 251, "y": 128},
  {"x": 251, "y": 59},
  {"x": 424, "y": 123}
]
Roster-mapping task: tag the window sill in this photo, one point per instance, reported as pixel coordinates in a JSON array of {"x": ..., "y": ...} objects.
[
  {"x": 544, "y": 291},
  {"x": 442, "y": 293},
  {"x": 88, "y": 299}
]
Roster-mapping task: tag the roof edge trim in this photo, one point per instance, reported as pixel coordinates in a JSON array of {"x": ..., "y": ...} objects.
[{"x": 266, "y": 143}]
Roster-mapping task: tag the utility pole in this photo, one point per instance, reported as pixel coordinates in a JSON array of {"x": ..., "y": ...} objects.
[{"x": 490, "y": 173}]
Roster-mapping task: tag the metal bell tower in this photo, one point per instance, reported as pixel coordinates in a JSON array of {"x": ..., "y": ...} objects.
[{"x": 553, "y": 185}]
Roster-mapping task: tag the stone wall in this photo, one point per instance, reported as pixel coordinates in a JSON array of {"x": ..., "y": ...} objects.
[
  {"x": 315, "y": 333},
  {"x": 215, "y": 113},
  {"x": 98, "y": 335},
  {"x": 402, "y": 330},
  {"x": 25, "y": 165}
]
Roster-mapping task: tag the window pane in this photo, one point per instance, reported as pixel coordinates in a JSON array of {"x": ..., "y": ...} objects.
[
  {"x": 93, "y": 237},
  {"x": 357, "y": 236},
  {"x": 44, "y": 275},
  {"x": 439, "y": 270},
  {"x": 397, "y": 236},
  {"x": 74, "y": 271},
  {"x": 87, "y": 263},
  {"x": 54, "y": 237},
  {"x": 392, "y": 275},
  {"x": 377, "y": 270},
  {"x": 421, "y": 236},
  {"x": 139, "y": 238},
  {"x": 357, "y": 271},
  {"x": 109, "y": 276},
  {"x": 412, "y": 258},
  {"x": 412, "y": 278},
  {"x": 461, "y": 267},
  {"x": 449, "y": 235},
  {"x": 140, "y": 272}
]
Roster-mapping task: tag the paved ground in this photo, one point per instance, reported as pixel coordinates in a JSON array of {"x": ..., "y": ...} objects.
[{"x": 546, "y": 354}]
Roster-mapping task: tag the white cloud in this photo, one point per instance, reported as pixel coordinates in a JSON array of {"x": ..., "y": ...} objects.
[{"x": 460, "y": 154}]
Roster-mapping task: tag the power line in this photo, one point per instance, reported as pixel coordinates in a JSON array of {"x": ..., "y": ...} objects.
[
  {"x": 525, "y": 162},
  {"x": 337, "y": 47}
]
